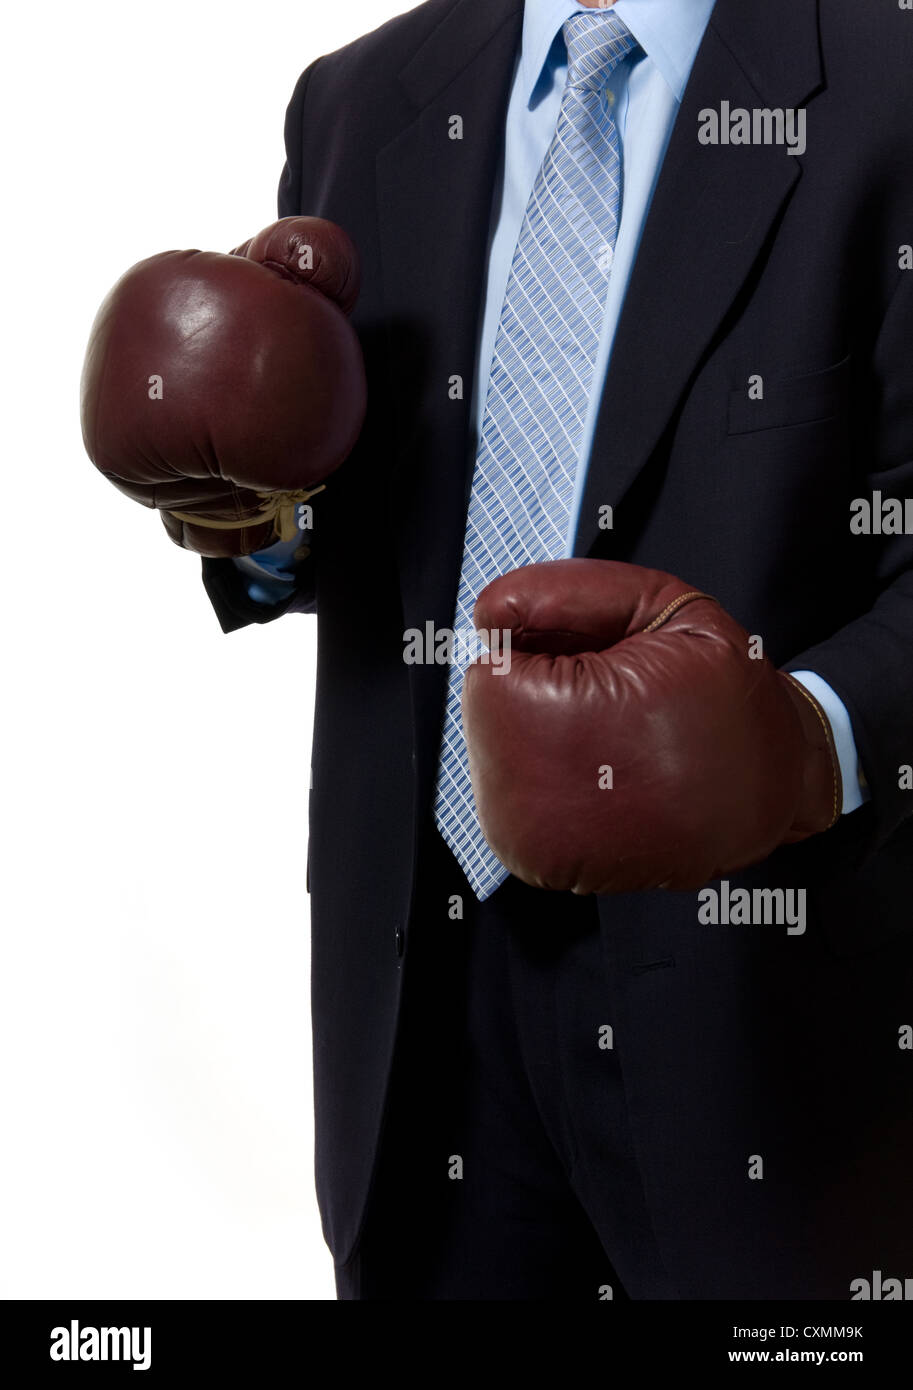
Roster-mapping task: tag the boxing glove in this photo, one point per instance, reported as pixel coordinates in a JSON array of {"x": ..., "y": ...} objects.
[
  {"x": 224, "y": 389},
  {"x": 634, "y": 742}
]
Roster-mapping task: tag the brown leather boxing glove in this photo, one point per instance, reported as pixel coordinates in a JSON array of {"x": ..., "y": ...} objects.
[
  {"x": 224, "y": 389},
  {"x": 634, "y": 743}
]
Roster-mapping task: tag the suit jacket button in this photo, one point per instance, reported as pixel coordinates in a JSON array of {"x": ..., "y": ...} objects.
[{"x": 400, "y": 939}]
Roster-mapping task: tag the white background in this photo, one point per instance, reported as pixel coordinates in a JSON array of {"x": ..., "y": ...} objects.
[{"x": 155, "y": 1084}]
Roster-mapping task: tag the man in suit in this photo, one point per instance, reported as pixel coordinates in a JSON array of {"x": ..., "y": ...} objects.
[{"x": 533, "y": 1094}]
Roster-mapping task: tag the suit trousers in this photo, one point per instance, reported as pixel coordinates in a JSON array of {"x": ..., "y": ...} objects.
[{"x": 506, "y": 1167}]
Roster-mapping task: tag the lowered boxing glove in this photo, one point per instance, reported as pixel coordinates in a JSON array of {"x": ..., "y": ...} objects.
[
  {"x": 634, "y": 743},
  {"x": 223, "y": 390}
]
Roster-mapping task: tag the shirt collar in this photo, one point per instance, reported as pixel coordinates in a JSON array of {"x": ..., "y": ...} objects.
[{"x": 668, "y": 31}]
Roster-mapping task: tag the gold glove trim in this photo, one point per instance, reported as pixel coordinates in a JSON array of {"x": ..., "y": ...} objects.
[
  {"x": 673, "y": 607},
  {"x": 278, "y": 507}
]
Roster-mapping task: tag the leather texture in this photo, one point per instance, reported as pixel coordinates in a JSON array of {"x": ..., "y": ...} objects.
[
  {"x": 635, "y": 742},
  {"x": 262, "y": 382}
]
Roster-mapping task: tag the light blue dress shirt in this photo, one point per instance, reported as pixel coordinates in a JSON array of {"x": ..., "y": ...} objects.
[{"x": 645, "y": 92}]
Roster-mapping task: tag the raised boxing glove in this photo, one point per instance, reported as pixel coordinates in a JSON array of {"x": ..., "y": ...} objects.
[
  {"x": 634, "y": 743},
  {"x": 224, "y": 389}
]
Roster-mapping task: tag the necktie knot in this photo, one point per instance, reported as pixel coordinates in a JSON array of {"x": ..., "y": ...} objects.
[{"x": 596, "y": 43}]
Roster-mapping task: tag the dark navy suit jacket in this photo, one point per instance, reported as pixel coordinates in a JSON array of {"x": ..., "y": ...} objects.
[{"x": 734, "y": 1041}]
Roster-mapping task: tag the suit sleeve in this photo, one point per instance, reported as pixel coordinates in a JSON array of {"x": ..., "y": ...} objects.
[
  {"x": 226, "y": 585},
  {"x": 869, "y": 663}
]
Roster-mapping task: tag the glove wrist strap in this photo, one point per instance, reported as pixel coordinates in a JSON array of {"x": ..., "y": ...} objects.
[
  {"x": 278, "y": 507},
  {"x": 821, "y": 797}
]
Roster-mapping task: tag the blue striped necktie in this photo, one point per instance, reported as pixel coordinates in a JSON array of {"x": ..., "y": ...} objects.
[{"x": 540, "y": 382}]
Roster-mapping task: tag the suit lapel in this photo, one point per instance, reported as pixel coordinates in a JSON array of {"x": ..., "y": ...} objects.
[
  {"x": 434, "y": 208},
  {"x": 712, "y": 213}
]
